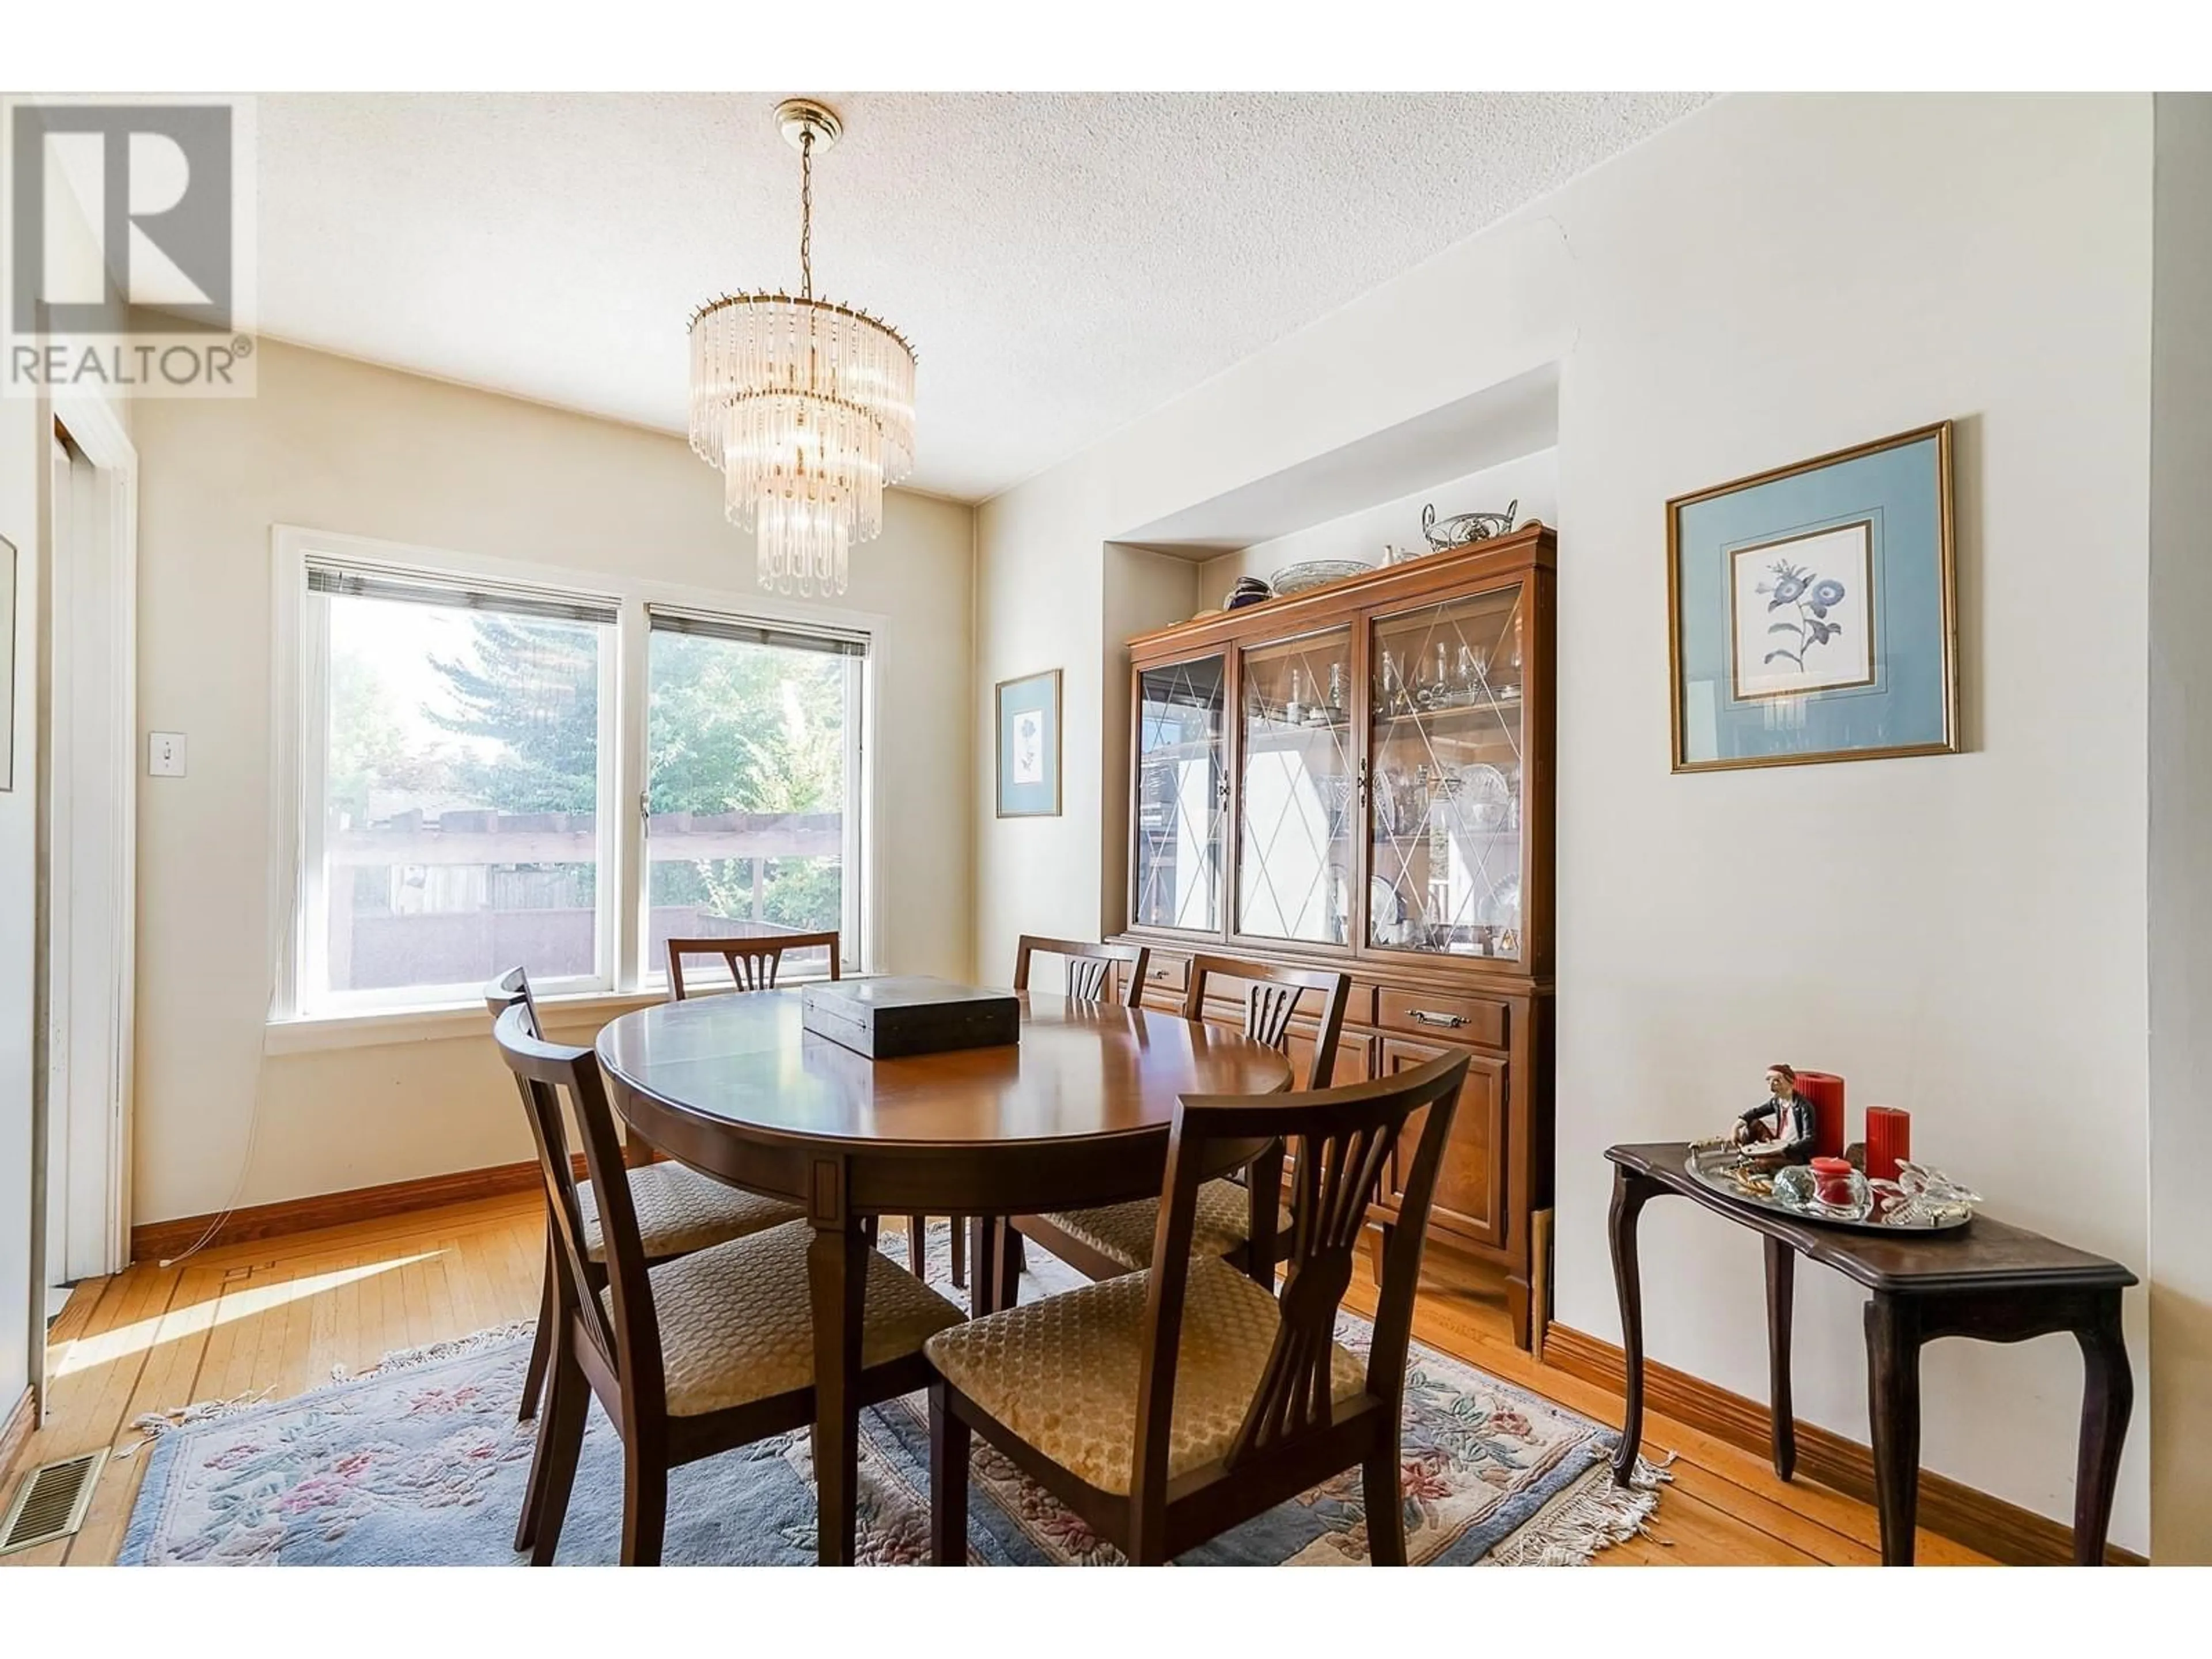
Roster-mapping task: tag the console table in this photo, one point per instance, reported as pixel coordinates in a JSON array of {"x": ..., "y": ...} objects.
[{"x": 1988, "y": 1281}]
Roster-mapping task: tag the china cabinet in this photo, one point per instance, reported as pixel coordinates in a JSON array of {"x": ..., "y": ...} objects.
[{"x": 1360, "y": 775}]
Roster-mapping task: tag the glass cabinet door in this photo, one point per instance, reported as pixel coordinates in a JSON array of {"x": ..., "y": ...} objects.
[
  {"x": 1181, "y": 803},
  {"x": 1297, "y": 845},
  {"x": 1446, "y": 784}
]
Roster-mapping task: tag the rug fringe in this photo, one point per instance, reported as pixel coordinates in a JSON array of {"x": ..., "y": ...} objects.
[
  {"x": 1591, "y": 1515},
  {"x": 153, "y": 1425},
  {"x": 429, "y": 1353}
]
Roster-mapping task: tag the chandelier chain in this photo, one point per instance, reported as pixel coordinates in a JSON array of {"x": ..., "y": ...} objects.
[{"x": 806, "y": 214}]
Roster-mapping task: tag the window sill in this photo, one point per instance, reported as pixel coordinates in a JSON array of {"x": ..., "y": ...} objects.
[{"x": 564, "y": 1017}]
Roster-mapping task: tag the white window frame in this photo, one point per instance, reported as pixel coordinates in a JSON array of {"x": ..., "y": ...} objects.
[
  {"x": 622, "y": 976},
  {"x": 857, "y": 897}
]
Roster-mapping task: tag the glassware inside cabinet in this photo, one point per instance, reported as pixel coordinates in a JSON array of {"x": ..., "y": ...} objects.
[
  {"x": 1181, "y": 790},
  {"x": 1296, "y": 834},
  {"x": 1445, "y": 749}
]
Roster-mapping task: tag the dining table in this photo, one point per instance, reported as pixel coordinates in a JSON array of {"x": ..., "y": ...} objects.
[{"x": 1075, "y": 1115}]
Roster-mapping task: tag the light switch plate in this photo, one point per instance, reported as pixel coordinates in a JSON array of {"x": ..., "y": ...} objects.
[{"x": 165, "y": 754}]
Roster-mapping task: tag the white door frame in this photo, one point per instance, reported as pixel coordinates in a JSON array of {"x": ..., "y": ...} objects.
[{"x": 91, "y": 890}]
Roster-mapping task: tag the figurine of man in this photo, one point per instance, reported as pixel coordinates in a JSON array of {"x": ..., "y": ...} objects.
[{"x": 1791, "y": 1130}]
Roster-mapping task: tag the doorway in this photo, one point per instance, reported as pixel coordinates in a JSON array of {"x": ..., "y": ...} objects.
[{"x": 86, "y": 851}]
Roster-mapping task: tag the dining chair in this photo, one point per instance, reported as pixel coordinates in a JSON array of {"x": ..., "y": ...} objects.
[
  {"x": 1089, "y": 975},
  {"x": 678, "y": 1210},
  {"x": 754, "y": 962},
  {"x": 688, "y": 1357},
  {"x": 1166, "y": 1407},
  {"x": 1090, "y": 967},
  {"x": 1239, "y": 1223}
]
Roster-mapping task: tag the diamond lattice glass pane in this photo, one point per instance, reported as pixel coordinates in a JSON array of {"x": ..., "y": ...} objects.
[
  {"x": 1295, "y": 829},
  {"x": 1446, "y": 747},
  {"x": 1179, "y": 808}
]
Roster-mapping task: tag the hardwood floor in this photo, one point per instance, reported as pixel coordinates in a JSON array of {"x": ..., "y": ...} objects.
[{"x": 275, "y": 1317}]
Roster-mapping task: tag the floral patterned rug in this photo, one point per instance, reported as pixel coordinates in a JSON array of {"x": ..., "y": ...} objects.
[{"x": 421, "y": 1462}]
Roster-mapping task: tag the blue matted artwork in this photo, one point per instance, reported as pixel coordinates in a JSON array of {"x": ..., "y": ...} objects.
[
  {"x": 1028, "y": 746},
  {"x": 1811, "y": 610}
]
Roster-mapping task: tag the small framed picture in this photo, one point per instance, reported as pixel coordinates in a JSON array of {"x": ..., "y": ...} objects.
[
  {"x": 1812, "y": 610},
  {"x": 1028, "y": 746}
]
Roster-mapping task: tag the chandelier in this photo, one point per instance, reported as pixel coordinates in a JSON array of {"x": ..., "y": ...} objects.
[{"x": 806, "y": 407}]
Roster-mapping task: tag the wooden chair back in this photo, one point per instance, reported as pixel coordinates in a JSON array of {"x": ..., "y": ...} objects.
[
  {"x": 1271, "y": 1001},
  {"x": 627, "y": 1339},
  {"x": 1090, "y": 967},
  {"x": 1342, "y": 1140},
  {"x": 511, "y": 990},
  {"x": 754, "y": 963}
]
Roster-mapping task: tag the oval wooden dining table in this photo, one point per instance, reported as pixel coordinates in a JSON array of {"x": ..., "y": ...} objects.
[{"x": 1077, "y": 1114}]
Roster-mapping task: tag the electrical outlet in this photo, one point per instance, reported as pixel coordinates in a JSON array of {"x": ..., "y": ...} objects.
[{"x": 165, "y": 754}]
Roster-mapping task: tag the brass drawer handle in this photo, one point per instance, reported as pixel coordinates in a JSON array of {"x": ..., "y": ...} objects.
[
  {"x": 1449, "y": 1022},
  {"x": 1161, "y": 972}
]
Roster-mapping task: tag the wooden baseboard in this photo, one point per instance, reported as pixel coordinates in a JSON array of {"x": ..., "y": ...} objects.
[
  {"x": 15, "y": 1430},
  {"x": 2005, "y": 1531},
  {"x": 158, "y": 1241}
]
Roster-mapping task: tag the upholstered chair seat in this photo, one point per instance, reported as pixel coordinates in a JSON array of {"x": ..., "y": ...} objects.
[
  {"x": 1061, "y": 1373},
  {"x": 1165, "y": 1407},
  {"x": 679, "y": 1211},
  {"x": 1123, "y": 1232},
  {"x": 737, "y": 1326}
]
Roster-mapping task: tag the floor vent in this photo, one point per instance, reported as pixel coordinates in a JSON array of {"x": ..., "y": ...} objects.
[{"x": 51, "y": 1501}]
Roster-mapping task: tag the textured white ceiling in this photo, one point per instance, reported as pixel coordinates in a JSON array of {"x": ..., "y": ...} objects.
[{"x": 1064, "y": 264}]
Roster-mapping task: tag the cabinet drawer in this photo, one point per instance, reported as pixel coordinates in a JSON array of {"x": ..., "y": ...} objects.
[
  {"x": 1479, "y": 1020},
  {"x": 1470, "y": 1180},
  {"x": 1165, "y": 978}
]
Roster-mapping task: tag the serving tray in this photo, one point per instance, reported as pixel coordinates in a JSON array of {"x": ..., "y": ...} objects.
[{"x": 1716, "y": 1168}]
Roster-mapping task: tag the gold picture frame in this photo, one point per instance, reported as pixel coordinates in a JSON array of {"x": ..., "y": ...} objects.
[
  {"x": 1027, "y": 728},
  {"x": 1930, "y": 630}
]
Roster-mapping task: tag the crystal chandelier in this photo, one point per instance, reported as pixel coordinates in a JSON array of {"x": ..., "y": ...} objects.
[{"x": 806, "y": 407}]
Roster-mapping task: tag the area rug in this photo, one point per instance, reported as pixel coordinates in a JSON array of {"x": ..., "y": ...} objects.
[{"x": 421, "y": 1462}]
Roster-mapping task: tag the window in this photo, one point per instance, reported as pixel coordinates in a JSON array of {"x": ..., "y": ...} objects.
[
  {"x": 463, "y": 746},
  {"x": 750, "y": 771}
]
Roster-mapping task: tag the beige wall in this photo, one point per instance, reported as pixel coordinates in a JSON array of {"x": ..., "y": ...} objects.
[
  {"x": 2180, "y": 1243},
  {"x": 1770, "y": 279},
  {"x": 341, "y": 447},
  {"x": 1530, "y": 483}
]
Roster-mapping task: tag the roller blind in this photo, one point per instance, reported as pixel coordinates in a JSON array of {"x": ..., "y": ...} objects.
[
  {"x": 328, "y": 575},
  {"x": 787, "y": 636}
]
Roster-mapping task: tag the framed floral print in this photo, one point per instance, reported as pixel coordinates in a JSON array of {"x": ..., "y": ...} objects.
[
  {"x": 1812, "y": 610},
  {"x": 1028, "y": 746}
]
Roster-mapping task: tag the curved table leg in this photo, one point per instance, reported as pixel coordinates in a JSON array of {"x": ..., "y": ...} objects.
[
  {"x": 1893, "y": 1338},
  {"x": 1781, "y": 1295},
  {"x": 837, "y": 1280},
  {"x": 1630, "y": 1194},
  {"x": 2108, "y": 1394}
]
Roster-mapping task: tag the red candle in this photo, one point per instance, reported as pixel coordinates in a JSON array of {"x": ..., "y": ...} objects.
[
  {"x": 1826, "y": 1090},
  {"x": 1888, "y": 1141},
  {"x": 1831, "y": 1181}
]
